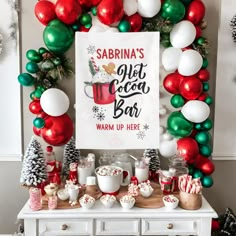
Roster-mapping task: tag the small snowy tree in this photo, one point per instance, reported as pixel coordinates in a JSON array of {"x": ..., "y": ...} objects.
[
  {"x": 154, "y": 163},
  {"x": 71, "y": 155},
  {"x": 33, "y": 171}
]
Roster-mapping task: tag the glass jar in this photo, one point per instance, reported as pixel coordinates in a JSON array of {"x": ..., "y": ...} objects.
[{"x": 177, "y": 167}]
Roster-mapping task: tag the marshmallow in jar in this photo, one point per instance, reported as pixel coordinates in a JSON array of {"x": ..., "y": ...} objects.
[
  {"x": 141, "y": 170},
  {"x": 84, "y": 169}
]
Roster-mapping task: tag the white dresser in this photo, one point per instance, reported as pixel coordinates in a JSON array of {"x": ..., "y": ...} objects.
[{"x": 117, "y": 221}]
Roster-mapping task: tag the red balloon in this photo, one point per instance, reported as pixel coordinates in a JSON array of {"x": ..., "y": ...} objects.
[
  {"x": 172, "y": 81},
  {"x": 190, "y": 87},
  {"x": 57, "y": 130},
  {"x": 35, "y": 107},
  {"x": 198, "y": 31},
  {"x": 202, "y": 97},
  {"x": 68, "y": 11},
  {"x": 45, "y": 11},
  {"x": 215, "y": 225},
  {"x": 205, "y": 165},
  {"x": 203, "y": 75},
  {"x": 135, "y": 21},
  {"x": 88, "y": 3},
  {"x": 195, "y": 12},
  {"x": 36, "y": 131},
  {"x": 83, "y": 29},
  {"x": 188, "y": 149},
  {"x": 110, "y": 11}
]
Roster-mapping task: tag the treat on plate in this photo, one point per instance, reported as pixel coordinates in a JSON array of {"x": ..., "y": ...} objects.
[
  {"x": 108, "y": 200},
  {"x": 145, "y": 189},
  {"x": 127, "y": 201},
  {"x": 86, "y": 201},
  {"x": 170, "y": 201}
]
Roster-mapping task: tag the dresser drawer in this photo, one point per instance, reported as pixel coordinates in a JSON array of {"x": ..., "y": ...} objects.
[
  {"x": 169, "y": 226},
  {"x": 65, "y": 227},
  {"x": 117, "y": 227}
]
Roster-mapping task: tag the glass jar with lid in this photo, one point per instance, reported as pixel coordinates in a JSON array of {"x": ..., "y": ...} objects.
[{"x": 177, "y": 167}]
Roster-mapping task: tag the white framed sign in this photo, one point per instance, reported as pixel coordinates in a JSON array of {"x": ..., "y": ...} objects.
[{"x": 117, "y": 90}]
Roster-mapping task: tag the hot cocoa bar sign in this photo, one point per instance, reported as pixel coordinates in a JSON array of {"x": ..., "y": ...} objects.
[{"x": 117, "y": 90}]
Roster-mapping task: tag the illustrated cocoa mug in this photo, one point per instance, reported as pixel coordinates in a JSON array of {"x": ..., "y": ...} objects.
[{"x": 101, "y": 93}]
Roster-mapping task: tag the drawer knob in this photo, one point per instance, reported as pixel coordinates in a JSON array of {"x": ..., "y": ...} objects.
[
  {"x": 170, "y": 226},
  {"x": 64, "y": 227}
]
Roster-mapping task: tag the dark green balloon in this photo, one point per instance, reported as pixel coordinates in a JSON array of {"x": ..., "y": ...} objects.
[
  {"x": 205, "y": 86},
  {"x": 124, "y": 26},
  {"x": 205, "y": 150},
  {"x": 42, "y": 50},
  {"x": 75, "y": 27},
  {"x": 94, "y": 11},
  {"x": 56, "y": 61},
  {"x": 38, "y": 93},
  {"x": 207, "y": 181},
  {"x": 197, "y": 174},
  {"x": 209, "y": 100},
  {"x": 178, "y": 126},
  {"x": 207, "y": 124},
  {"x": 173, "y": 10},
  {"x": 202, "y": 137},
  {"x": 186, "y": 2},
  {"x": 58, "y": 37},
  {"x": 26, "y": 79},
  {"x": 33, "y": 55},
  {"x": 205, "y": 63},
  {"x": 191, "y": 169},
  {"x": 32, "y": 67},
  {"x": 85, "y": 19},
  {"x": 39, "y": 122},
  {"x": 177, "y": 101}
]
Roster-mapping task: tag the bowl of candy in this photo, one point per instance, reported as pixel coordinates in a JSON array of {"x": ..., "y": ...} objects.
[
  {"x": 109, "y": 178},
  {"x": 145, "y": 189},
  {"x": 108, "y": 200},
  {"x": 63, "y": 194},
  {"x": 86, "y": 201},
  {"x": 127, "y": 201},
  {"x": 170, "y": 201},
  {"x": 51, "y": 189}
]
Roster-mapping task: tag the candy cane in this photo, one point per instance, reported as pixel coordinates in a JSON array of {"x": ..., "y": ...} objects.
[{"x": 94, "y": 64}]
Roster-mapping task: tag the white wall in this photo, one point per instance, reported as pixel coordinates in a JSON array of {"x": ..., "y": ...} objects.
[{"x": 13, "y": 196}]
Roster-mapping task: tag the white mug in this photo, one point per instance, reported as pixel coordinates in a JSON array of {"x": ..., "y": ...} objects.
[{"x": 73, "y": 193}]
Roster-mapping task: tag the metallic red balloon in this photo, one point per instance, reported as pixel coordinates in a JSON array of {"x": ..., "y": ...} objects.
[
  {"x": 35, "y": 107},
  {"x": 110, "y": 11},
  {"x": 68, "y": 11},
  {"x": 88, "y": 3},
  {"x": 36, "y": 131},
  {"x": 45, "y": 11},
  {"x": 188, "y": 149},
  {"x": 190, "y": 87},
  {"x": 205, "y": 165},
  {"x": 203, "y": 75},
  {"x": 195, "y": 12},
  {"x": 198, "y": 31},
  {"x": 57, "y": 130},
  {"x": 135, "y": 21},
  {"x": 202, "y": 96},
  {"x": 172, "y": 81}
]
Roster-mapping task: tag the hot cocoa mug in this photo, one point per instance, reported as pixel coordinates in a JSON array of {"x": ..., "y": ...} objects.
[{"x": 103, "y": 93}]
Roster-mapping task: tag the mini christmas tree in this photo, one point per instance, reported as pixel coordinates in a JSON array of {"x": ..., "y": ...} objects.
[
  {"x": 71, "y": 155},
  {"x": 154, "y": 163},
  {"x": 33, "y": 171}
]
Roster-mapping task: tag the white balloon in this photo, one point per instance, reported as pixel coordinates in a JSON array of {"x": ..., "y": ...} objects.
[
  {"x": 162, "y": 130},
  {"x": 170, "y": 58},
  {"x": 182, "y": 34},
  {"x": 97, "y": 28},
  {"x": 190, "y": 62},
  {"x": 168, "y": 148},
  {"x": 195, "y": 111},
  {"x": 130, "y": 7},
  {"x": 54, "y": 102},
  {"x": 148, "y": 8}
]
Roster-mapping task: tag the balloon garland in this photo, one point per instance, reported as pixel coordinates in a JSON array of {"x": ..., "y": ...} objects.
[{"x": 184, "y": 58}]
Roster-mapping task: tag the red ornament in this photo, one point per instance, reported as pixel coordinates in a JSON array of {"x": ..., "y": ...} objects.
[
  {"x": 134, "y": 180},
  {"x": 45, "y": 11},
  {"x": 88, "y": 3},
  {"x": 135, "y": 21},
  {"x": 188, "y": 149},
  {"x": 35, "y": 107},
  {"x": 57, "y": 130},
  {"x": 68, "y": 11},
  {"x": 190, "y": 87},
  {"x": 203, "y": 75},
  {"x": 172, "y": 81},
  {"x": 110, "y": 11},
  {"x": 195, "y": 12}
]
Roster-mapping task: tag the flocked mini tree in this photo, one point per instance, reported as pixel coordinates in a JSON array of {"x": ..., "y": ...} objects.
[
  {"x": 33, "y": 171},
  {"x": 154, "y": 163},
  {"x": 71, "y": 155}
]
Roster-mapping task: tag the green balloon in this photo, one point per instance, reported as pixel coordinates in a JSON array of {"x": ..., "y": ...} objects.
[
  {"x": 26, "y": 79},
  {"x": 207, "y": 124},
  {"x": 32, "y": 67},
  {"x": 202, "y": 137},
  {"x": 191, "y": 169},
  {"x": 205, "y": 150},
  {"x": 85, "y": 19},
  {"x": 38, "y": 93},
  {"x": 205, "y": 63},
  {"x": 124, "y": 26},
  {"x": 178, "y": 126},
  {"x": 177, "y": 101},
  {"x": 173, "y": 10},
  {"x": 209, "y": 100},
  {"x": 205, "y": 86},
  {"x": 39, "y": 122},
  {"x": 33, "y": 55},
  {"x": 197, "y": 174},
  {"x": 186, "y": 2},
  {"x": 94, "y": 11},
  {"x": 58, "y": 37},
  {"x": 42, "y": 50},
  {"x": 207, "y": 181}
]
